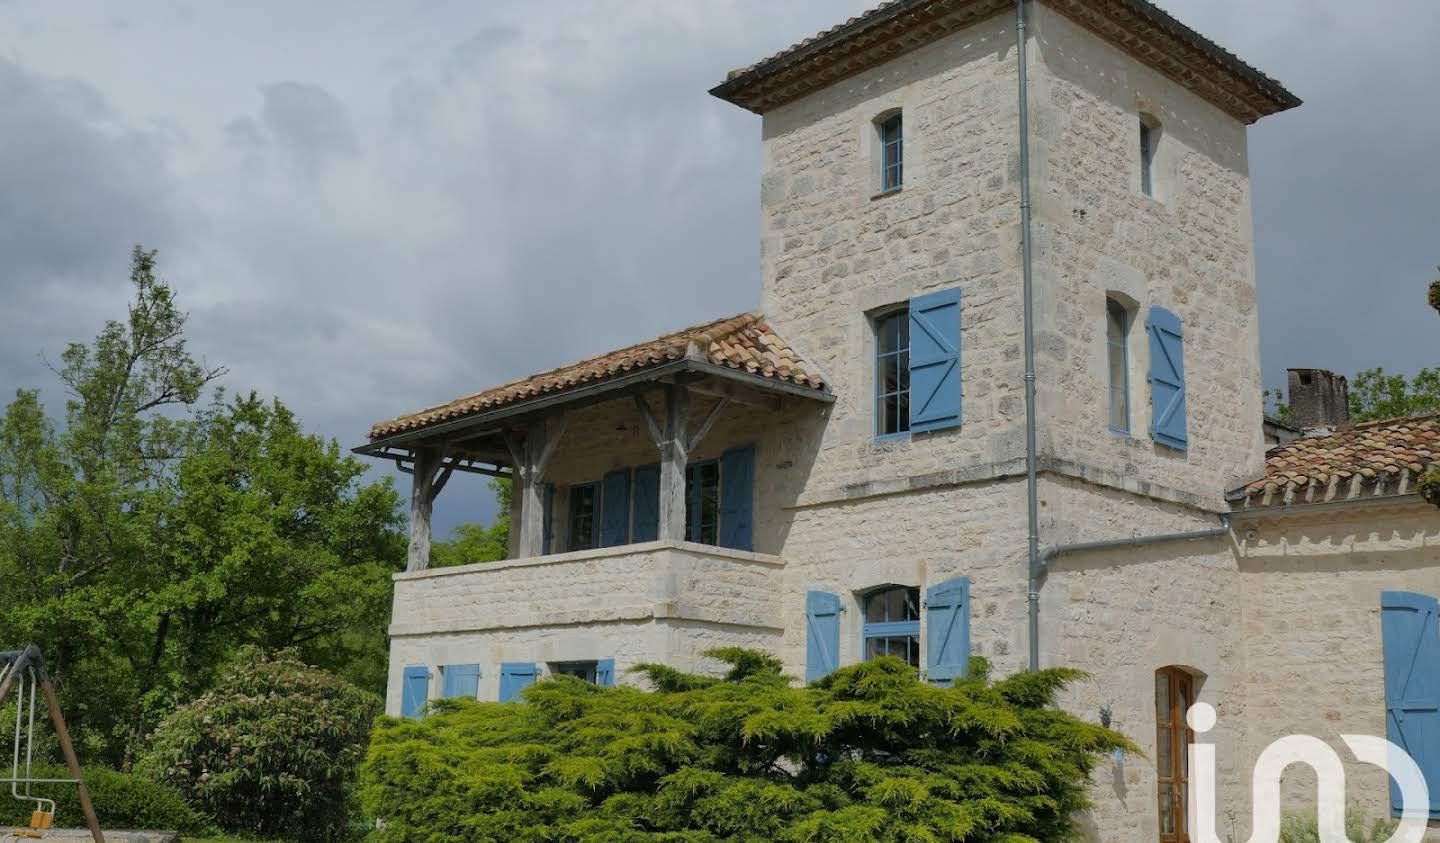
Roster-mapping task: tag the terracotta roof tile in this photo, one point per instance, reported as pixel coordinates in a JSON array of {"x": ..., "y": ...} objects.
[
  {"x": 745, "y": 342},
  {"x": 1361, "y": 454}
]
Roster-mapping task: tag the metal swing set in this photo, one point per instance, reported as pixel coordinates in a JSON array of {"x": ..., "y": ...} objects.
[{"x": 24, "y": 672}]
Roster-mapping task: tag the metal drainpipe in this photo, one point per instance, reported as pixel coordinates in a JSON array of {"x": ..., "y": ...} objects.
[
  {"x": 1032, "y": 491},
  {"x": 1135, "y": 541}
]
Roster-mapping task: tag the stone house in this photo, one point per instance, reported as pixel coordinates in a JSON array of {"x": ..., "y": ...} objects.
[{"x": 850, "y": 470}]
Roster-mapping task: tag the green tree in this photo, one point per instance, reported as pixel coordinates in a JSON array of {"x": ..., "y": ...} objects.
[
  {"x": 871, "y": 753},
  {"x": 1376, "y": 395},
  {"x": 152, "y": 530},
  {"x": 472, "y": 543}
]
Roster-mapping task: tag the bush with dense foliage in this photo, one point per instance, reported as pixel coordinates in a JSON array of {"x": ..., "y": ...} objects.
[
  {"x": 272, "y": 751},
  {"x": 871, "y": 753},
  {"x": 121, "y": 801}
]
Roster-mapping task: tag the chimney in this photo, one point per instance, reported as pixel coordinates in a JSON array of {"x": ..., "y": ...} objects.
[{"x": 1319, "y": 400}]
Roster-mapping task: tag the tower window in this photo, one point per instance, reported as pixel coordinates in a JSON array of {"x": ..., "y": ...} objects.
[
  {"x": 1149, "y": 139},
  {"x": 892, "y": 373},
  {"x": 892, "y": 153},
  {"x": 892, "y": 624},
  {"x": 1117, "y": 346},
  {"x": 1174, "y": 694}
]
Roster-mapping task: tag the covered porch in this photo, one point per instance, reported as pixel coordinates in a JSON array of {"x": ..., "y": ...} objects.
[{"x": 658, "y": 442}]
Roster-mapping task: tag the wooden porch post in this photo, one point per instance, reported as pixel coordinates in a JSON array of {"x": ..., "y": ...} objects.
[
  {"x": 428, "y": 477},
  {"x": 531, "y": 458},
  {"x": 676, "y": 443}
]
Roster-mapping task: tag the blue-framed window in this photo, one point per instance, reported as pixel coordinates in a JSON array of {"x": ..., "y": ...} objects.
[
  {"x": 580, "y": 670},
  {"x": 892, "y": 153},
  {"x": 1148, "y": 137},
  {"x": 702, "y": 502},
  {"x": 892, "y": 373},
  {"x": 584, "y": 526},
  {"x": 1117, "y": 348},
  {"x": 892, "y": 624}
]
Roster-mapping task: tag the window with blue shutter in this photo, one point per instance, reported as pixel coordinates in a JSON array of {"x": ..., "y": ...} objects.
[
  {"x": 702, "y": 502},
  {"x": 615, "y": 508},
  {"x": 892, "y": 373},
  {"x": 947, "y": 633},
  {"x": 1168, "y": 424},
  {"x": 737, "y": 498},
  {"x": 461, "y": 680},
  {"x": 605, "y": 673},
  {"x": 935, "y": 361},
  {"x": 1411, "y": 638},
  {"x": 514, "y": 678},
  {"x": 548, "y": 497},
  {"x": 414, "y": 692},
  {"x": 892, "y": 624},
  {"x": 822, "y": 634},
  {"x": 584, "y": 517},
  {"x": 647, "y": 503}
]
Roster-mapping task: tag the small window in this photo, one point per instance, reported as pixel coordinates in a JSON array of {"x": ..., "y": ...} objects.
[
  {"x": 580, "y": 670},
  {"x": 892, "y": 624},
  {"x": 892, "y": 373},
  {"x": 702, "y": 502},
  {"x": 1174, "y": 694},
  {"x": 892, "y": 154},
  {"x": 1149, "y": 138},
  {"x": 582, "y": 516},
  {"x": 1117, "y": 341}
]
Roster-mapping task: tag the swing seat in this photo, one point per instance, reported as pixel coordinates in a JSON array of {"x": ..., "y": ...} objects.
[{"x": 41, "y": 820}]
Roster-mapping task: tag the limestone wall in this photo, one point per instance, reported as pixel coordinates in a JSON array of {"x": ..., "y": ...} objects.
[{"x": 666, "y": 602}]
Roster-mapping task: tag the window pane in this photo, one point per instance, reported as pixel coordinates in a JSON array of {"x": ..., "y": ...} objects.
[
  {"x": 890, "y": 374},
  {"x": 1164, "y": 753},
  {"x": 902, "y": 371},
  {"x": 902, "y": 413},
  {"x": 913, "y": 651},
  {"x": 1162, "y": 698},
  {"x": 874, "y": 648},
  {"x": 875, "y": 608},
  {"x": 1167, "y": 809},
  {"x": 1180, "y": 820}
]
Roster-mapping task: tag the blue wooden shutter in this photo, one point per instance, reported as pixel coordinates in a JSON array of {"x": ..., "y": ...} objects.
[
  {"x": 935, "y": 361},
  {"x": 548, "y": 531},
  {"x": 414, "y": 692},
  {"x": 647, "y": 503},
  {"x": 605, "y": 673},
  {"x": 1168, "y": 424},
  {"x": 514, "y": 678},
  {"x": 737, "y": 498},
  {"x": 947, "y": 635},
  {"x": 615, "y": 508},
  {"x": 461, "y": 680},
  {"x": 1412, "y": 684},
  {"x": 822, "y": 634}
]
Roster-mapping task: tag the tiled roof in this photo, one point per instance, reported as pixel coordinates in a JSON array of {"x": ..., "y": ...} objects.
[
  {"x": 1374, "y": 459},
  {"x": 1134, "y": 26},
  {"x": 745, "y": 342}
]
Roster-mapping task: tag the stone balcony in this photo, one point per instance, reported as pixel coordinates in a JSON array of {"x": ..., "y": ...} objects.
[{"x": 670, "y": 582}]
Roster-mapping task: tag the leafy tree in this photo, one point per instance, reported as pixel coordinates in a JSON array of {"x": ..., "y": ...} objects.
[
  {"x": 272, "y": 750},
  {"x": 870, "y": 753},
  {"x": 156, "y": 528},
  {"x": 1376, "y": 395},
  {"x": 472, "y": 543}
]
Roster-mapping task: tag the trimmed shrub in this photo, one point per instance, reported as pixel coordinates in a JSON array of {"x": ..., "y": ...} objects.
[
  {"x": 871, "y": 753},
  {"x": 272, "y": 751},
  {"x": 121, "y": 801}
]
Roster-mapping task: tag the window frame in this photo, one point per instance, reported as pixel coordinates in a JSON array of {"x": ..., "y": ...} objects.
[
  {"x": 586, "y": 670},
  {"x": 1149, "y": 145},
  {"x": 890, "y": 629},
  {"x": 901, "y": 355},
  {"x": 1113, "y": 307},
  {"x": 694, "y": 503},
  {"x": 1176, "y": 731},
  {"x": 892, "y": 151},
  {"x": 592, "y": 540}
]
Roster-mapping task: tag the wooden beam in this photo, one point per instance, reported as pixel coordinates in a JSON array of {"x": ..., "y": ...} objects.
[
  {"x": 532, "y": 456},
  {"x": 738, "y": 393},
  {"x": 422, "y": 505},
  {"x": 656, "y": 433},
  {"x": 673, "y": 457},
  {"x": 704, "y": 428}
]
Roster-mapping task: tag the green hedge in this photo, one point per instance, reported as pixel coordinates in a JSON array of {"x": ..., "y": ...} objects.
[{"x": 121, "y": 801}]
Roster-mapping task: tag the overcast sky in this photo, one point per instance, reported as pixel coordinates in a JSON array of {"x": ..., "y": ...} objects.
[{"x": 368, "y": 207}]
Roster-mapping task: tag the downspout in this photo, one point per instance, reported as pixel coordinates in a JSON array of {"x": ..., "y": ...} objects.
[{"x": 1027, "y": 259}]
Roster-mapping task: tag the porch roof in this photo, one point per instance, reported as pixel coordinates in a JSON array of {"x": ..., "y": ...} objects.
[{"x": 743, "y": 345}]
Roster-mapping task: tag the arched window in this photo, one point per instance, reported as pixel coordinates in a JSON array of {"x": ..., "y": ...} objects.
[
  {"x": 1174, "y": 694},
  {"x": 892, "y": 624},
  {"x": 1117, "y": 348}
]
